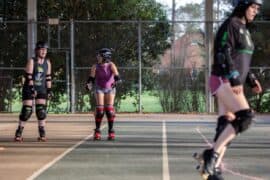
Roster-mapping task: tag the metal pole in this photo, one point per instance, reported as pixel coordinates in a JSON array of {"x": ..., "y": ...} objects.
[
  {"x": 68, "y": 85},
  {"x": 72, "y": 74},
  {"x": 140, "y": 64},
  {"x": 31, "y": 27},
  {"x": 209, "y": 40}
]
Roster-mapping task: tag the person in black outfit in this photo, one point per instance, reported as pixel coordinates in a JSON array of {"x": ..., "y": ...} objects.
[
  {"x": 36, "y": 87},
  {"x": 233, "y": 49}
]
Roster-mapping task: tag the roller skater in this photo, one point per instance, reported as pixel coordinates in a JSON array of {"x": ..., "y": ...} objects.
[
  {"x": 37, "y": 87},
  {"x": 104, "y": 77},
  {"x": 233, "y": 49}
]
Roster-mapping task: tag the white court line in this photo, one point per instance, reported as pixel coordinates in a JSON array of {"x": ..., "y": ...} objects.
[
  {"x": 48, "y": 165},
  {"x": 165, "y": 161},
  {"x": 226, "y": 169}
]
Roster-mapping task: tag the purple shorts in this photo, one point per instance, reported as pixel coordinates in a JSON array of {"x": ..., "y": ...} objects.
[{"x": 215, "y": 82}]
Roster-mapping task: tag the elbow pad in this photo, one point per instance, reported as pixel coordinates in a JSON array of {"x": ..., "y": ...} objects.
[{"x": 117, "y": 78}]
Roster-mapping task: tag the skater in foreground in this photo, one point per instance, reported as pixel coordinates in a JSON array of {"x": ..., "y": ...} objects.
[
  {"x": 37, "y": 87},
  {"x": 103, "y": 77},
  {"x": 233, "y": 49}
]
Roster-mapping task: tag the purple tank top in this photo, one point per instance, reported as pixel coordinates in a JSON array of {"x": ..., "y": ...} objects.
[{"x": 104, "y": 75}]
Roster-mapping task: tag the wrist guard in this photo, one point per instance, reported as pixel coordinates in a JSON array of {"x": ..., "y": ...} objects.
[
  {"x": 91, "y": 80},
  {"x": 251, "y": 80}
]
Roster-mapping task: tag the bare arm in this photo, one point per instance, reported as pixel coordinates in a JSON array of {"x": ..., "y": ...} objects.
[
  {"x": 29, "y": 69},
  {"x": 114, "y": 69},
  {"x": 93, "y": 71}
]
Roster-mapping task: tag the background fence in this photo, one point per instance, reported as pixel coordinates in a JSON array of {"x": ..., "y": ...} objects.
[{"x": 164, "y": 64}]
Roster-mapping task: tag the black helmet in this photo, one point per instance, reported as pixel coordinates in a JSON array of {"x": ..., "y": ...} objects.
[
  {"x": 236, "y": 3},
  {"x": 105, "y": 53},
  {"x": 41, "y": 44}
]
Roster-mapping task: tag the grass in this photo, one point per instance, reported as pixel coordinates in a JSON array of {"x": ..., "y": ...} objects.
[{"x": 150, "y": 103}]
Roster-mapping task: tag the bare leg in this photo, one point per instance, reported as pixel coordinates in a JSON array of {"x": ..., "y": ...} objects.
[{"x": 236, "y": 102}]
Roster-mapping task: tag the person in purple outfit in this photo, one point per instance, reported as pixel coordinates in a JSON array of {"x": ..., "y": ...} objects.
[{"x": 103, "y": 77}]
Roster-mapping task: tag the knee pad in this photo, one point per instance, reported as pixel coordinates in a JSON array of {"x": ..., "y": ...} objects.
[
  {"x": 243, "y": 120},
  {"x": 99, "y": 113},
  {"x": 41, "y": 111},
  {"x": 110, "y": 113},
  {"x": 26, "y": 113},
  {"x": 222, "y": 123}
]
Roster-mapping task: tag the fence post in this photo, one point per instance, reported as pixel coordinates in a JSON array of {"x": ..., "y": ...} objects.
[
  {"x": 209, "y": 36},
  {"x": 72, "y": 68},
  {"x": 31, "y": 27},
  {"x": 140, "y": 63}
]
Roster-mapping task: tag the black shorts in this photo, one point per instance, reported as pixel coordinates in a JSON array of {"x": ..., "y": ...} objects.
[{"x": 27, "y": 94}]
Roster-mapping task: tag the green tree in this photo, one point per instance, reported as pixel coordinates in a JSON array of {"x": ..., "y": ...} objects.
[{"x": 121, "y": 36}]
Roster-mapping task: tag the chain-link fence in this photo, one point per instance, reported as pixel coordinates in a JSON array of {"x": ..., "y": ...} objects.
[{"x": 163, "y": 70}]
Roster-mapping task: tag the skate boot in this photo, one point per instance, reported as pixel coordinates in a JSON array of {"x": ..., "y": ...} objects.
[
  {"x": 97, "y": 135},
  {"x": 111, "y": 135},
  {"x": 217, "y": 174},
  {"x": 42, "y": 134},
  {"x": 209, "y": 160},
  {"x": 18, "y": 134}
]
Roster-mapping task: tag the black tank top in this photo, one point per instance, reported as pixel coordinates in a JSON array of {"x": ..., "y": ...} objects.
[{"x": 39, "y": 76}]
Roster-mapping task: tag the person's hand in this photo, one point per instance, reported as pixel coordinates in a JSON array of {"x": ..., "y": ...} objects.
[
  {"x": 258, "y": 88},
  {"x": 49, "y": 93},
  {"x": 116, "y": 83},
  {"x": 88, "y": 86},
  {"x": 33, "y": 92},
  {"x": 237, "y": 89}
]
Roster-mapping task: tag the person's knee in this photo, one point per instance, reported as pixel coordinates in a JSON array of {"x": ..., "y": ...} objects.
[
  {"x": 99, "y": 113},
  {"x": 110, "y": 112},
  {"x": 25, "y": 113},
  {"x": 41, "y": 111},
  {"x": 222, "y": 123},
  {"x": 243, "y": 120}
]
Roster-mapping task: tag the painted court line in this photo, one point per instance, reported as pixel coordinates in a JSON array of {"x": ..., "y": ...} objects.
[
  {"x": 165, "y": 161},
  {"x": 48, "y": 165},
  {"x": 226, "y": 169}
]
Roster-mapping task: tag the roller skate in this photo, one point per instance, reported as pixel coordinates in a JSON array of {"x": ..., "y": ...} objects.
[
  {"x": 42, "y": 134},
  {"x": 97, "y": 135},
  {"x": 206, "y": 162},
  {"x": 111, "y": 135},
  {"x": 18, "y": 134},
  {"x": 217, "y": 174}
]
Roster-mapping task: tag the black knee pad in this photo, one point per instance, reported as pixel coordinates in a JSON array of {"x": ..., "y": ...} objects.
[
  {"x": 26, "y": 113},
  {"x": 222, "y": 123},
  {"x": 243, "y": 120},
  {"x": 110, "y": 113},
  {"x": 41, "y": 111},
  {"x": 99, "y": 112}
]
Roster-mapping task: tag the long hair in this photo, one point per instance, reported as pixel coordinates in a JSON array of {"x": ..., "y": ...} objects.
[{"x": 240, "y": 11}]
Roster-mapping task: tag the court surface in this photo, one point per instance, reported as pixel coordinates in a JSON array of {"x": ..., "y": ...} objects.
[{"x": 147, "y": 147}]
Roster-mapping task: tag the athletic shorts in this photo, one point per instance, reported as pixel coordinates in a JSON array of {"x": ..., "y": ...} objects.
[
  {"x": 215, "y": 82},
  {"x": 27, "y": 94},
  {"x": 105, "y": 90}
]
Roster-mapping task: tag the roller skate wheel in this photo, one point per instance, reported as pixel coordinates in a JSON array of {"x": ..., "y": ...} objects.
[
  {"x": 42, "y": 139},
  {"x": 111, "y": 136},
  {"x": 18, "y": 139}
]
